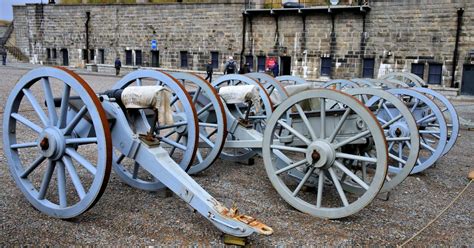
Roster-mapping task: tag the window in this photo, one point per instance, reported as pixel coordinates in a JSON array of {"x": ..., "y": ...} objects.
[
  {"x": 215, "y": 59},
  {"x": 101, "y": 56},
  {"x": 326, "y": 66},
  {"x": 249, "y": 59},
  {"x": 418, "y": 69},
  {"x": 138, "y": 57},
  {"x": 84, "y": 54},
  {"x": 91, "y": 54},
  {"x": 128, "y": 57},
  {"x": 54, "y": 54},
  {"x": 435, "y": 73},
  {"x": 261, "y": 63},
  {"x": 48, "y": 53},
  {"x": 368, "y": 71},
  {"x": 184, "y": 59}
]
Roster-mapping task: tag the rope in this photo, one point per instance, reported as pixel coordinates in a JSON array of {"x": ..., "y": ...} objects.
[{"x": 436, "y": 218}]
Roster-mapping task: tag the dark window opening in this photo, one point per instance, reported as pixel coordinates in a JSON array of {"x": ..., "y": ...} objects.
[
  {"x": 53, "y": 53},
  {"x": 48, "y": 53},
  {"x": 249, "y": 59},
  {"x": 368, "y": 70},
  {"x": 138, "y": 57},
  {"x": 128, "y": 57},
  {"x": 215, "y": 59},
  {"x": 418, "y": 69},
  {"x": 326, "y": 64},
  {"x": 65, "y": 56},
  {"x": 261, "y": 63},
  {"x": 101, "y": 56},
  {"x": 155, "y": 58},
  {"x": 435, "y": 73},
  {"x": 84, "y": 54},
  {"x": 91, "y": 54},
  {"x": 184, "y": 59}
]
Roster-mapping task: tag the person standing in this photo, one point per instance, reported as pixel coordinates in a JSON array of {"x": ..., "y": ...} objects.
[
  {"x": 230, "y": 67},
  {"x": 209, "y": 70},
  {"x": 276, "y": 69},
  {"x": 3, "y": 52},
  {"x": 118, "y": 65}
]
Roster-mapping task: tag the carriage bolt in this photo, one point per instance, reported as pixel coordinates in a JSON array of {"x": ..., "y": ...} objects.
[
  {"x": 315, "y": 156},
  {"x": 44, "y": 144}
]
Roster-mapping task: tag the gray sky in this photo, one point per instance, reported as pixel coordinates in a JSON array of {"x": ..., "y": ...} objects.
[{"x": 6, "y": 10}]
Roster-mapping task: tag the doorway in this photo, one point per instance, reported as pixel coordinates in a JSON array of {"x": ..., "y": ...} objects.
[
  {"x": 155, "y": 58},
  {"x": 467, "y": 84},
  {"x": 65, "y": 56},
  {"x": 285, "y": 65}
]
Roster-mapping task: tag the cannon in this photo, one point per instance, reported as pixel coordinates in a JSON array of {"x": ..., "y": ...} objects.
[
  {"x": 435, "y": 115},
  {"x": 61, "y": 154}
]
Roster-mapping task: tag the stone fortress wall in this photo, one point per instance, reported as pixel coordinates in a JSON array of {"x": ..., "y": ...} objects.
[{"x": 393, "y": 33}]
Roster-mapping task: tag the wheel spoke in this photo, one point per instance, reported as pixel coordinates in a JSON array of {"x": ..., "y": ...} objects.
[
  {"x": 351, "y": 175},
  {"x": 353, "y": 138},
  {"x": 288, "y": 148},
  {"x": 323, "y": 118},
  {"x": 303, "y": 181},
  {"x": 306, "y": 121},
  {"x": 296, "y": 133},
  {"x": 81, "y": 141},
  {"x": 24, "y": 145},
  {"x": 34, "y": 103},
  {"x": 76, "y": 181},
  {"x": 426, "y": 118},
  {"x": 204, "y": 109},
  {"x": 27, "y": 122},
  {"x": 398, "y": 159},
  {"x": 204, "y": 124},
  {"x": 33, "y": 166},
  {"x": 356, "y": 157},
  {"x": 336, "y": 182},
  {"x": 205, "y": 139},
  {"x": 173, "y": 143},
  {"x": 392, "y": 121},
  {"x": 319, "y": 195},
  {"x": 431, "y": 149},
  {"x": 196, "y": 94},
  {"x": 199, "y": 156},
  {"x": 415, "y": 105},
  {"x": 138, "y": 82},
  {"x": 291, "y": 166},
  {"x": 282, "y": 156},
  {"x": 48, "y": 94},
  {"x": 81, "y": 160},
  {"x": 389, "y": 113},
  {"x": 177, "y": 124},
  {"x": 339, "y": 125},
  {"x": 64, "y": 106},
  {"x": 394, "y": 139},
  {"x": 61, "y": 184},
  {"x": 75, "y": 121},
  {"x": 46, "y": 179}
]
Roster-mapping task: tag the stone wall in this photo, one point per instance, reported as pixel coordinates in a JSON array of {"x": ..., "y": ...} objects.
[
  {"x": 393, "y": 33},
  {"x": 195, "y": 28}
]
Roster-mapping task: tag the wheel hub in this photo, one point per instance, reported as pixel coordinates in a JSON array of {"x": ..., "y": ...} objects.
[
  {"x": 320, "y": 154},
  {"x": 399, "y": 129},
  {"x": 180, "y": 117},
  {"x": 52, "y": 143}
]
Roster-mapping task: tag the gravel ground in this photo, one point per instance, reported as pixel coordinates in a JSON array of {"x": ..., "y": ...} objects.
[{"x": 126, "y": 216}]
